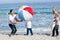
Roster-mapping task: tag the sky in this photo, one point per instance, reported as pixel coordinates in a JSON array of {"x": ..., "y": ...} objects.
[{"x": 26, "y": 1}]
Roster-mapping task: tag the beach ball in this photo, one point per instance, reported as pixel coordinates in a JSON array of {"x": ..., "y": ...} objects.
[{"x": 25, "y": 13}]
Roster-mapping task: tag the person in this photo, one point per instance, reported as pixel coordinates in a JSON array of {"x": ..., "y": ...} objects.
[
  {"x": 29, "y": 27},
  {"x": 56, "y": 22},
  {"x": 12, "y": 21},
  {"x": 55, "y": 27}
]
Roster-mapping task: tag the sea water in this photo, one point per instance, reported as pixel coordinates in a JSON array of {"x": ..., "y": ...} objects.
[{"x": 41, "y": 21}]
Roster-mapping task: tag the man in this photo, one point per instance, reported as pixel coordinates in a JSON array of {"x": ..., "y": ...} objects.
[{"x": 12, "y": 21}]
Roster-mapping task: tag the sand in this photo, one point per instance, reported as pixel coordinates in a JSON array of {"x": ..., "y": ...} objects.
[{"x": 29, "y": 37}]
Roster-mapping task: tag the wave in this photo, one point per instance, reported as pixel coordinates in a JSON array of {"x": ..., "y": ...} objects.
[
  {"x": 35, "y": 30},
  {"x": 5, "y": 12},
  {"x": 23, "y": 30}
]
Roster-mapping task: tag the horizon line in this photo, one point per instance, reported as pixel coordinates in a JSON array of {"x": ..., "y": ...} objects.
[{"x": 30, "y": 2}]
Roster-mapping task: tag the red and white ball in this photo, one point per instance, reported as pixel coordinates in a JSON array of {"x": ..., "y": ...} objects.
[{"x": 25, "y": 13}]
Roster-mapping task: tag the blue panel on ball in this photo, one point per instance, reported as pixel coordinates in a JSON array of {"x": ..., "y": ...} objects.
[{"x": 21, "y": 15}]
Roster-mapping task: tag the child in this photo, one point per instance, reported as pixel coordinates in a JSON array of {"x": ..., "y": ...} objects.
[
  {"x": 29, "y": 27},
  {"x": 55, "y": 27}
]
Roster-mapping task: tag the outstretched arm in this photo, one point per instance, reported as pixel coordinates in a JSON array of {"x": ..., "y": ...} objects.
[
  {"x": 51, "y": 26},
  {"x": 18, "y": 20}
]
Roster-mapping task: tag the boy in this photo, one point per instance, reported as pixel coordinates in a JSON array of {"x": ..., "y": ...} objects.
[{"x": 29, "y": 27}]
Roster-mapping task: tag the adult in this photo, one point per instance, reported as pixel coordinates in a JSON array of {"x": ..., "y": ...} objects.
[
  {"x": 55, "y": 22},
  {"x": 12, "y": 21}
]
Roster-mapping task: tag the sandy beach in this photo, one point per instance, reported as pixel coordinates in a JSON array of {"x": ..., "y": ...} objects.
[{"x": 29, "y": 37}]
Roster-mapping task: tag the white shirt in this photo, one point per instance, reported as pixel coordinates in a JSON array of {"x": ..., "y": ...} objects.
[
  {"x": 53, "y": 24},
  {"x": 29, "y": 24},
  {"x": 58, "y": 20},
  {"x": 11, "y": 18}
]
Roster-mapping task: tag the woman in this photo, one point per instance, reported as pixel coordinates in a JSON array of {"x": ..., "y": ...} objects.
[
  {"x": 12, "y": 21},
  {"x": 55, "y": 22}
]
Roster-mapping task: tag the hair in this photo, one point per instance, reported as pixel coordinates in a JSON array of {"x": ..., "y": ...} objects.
[
  {"x": 54, "y": 8},
  {"x": 11, "y": 10},
  {"x": 56, "y": 14},
  {"x": 55, "y": 20}
]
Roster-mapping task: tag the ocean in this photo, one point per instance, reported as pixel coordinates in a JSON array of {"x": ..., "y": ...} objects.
[{"x": 40, "y": 22}]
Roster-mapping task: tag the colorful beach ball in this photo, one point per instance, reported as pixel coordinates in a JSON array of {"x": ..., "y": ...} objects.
[{"x": 25, "y": 13}]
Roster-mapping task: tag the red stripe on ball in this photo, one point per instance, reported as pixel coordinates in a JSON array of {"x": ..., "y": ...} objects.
[{"x": 29, "y": 9}]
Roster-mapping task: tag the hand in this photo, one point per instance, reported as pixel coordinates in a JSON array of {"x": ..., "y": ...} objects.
[
  {"x": 25, "y": 26},
  {"x": 15, "y": 22},
  {"x": 19, "y": 20}
]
